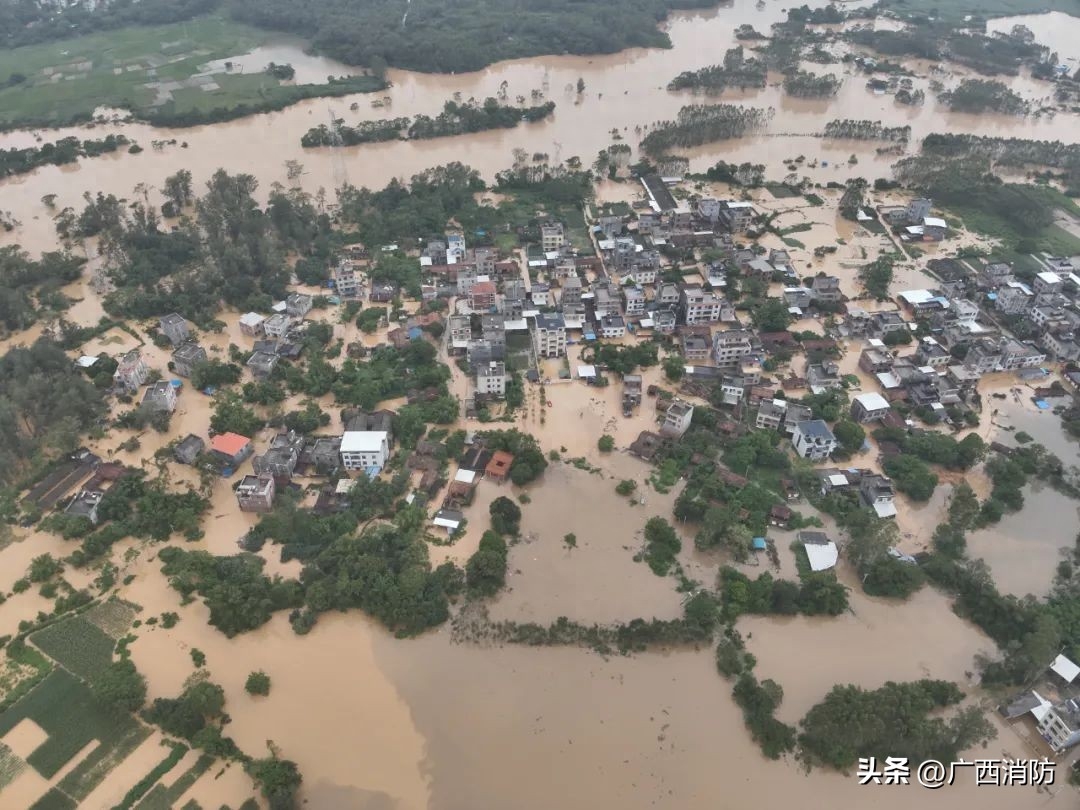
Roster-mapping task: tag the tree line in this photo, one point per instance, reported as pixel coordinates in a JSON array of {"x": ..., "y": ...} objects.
[
  {"x": 738, "y": 70},
  {"x": 704, "y": 123},
  {"x": 57, "y": 153},
  {"x": 455, "y": 119},
  {"x": 866, "y": 131}
]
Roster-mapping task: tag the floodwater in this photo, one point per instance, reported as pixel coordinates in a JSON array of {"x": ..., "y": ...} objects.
[
  {"x": 624, "y": 92},
  {"x": 310, "y": 68},
  {"x": 1025, "y": 547},
  {"x": 1056, "y": 30},
  {"x": 384, "y": 724}
]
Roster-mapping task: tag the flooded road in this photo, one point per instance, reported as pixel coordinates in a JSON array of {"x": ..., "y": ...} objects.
[{"x": 624, "y": 92}]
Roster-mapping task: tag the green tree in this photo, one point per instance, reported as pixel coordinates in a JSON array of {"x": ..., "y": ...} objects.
[
  {"x": 505, "y": 516},
  {"x": 850, "y": 435},
  {"x": 674, "y": 367},
  {"x": 257, "y": 683},
  {"x": 121, "y": 687},
  {"x": 485, "y": 570},
  {"x": 606, "y": 443},
  {"x": 278, "y": 781}
]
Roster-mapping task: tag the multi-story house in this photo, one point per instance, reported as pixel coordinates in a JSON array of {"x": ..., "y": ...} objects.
[
  {"x": 161, "y": 396},
  {"x": 736, "y": 216},
  {"x": 491, "y": 379},
  {"x": 298, "y": 305},
  {"x": 606, "y": 300},
  {"x": 699, "y": 306},
  {"x": 695, "y": 347},
  {"x": 1060, "y": 726},
  {"x": 668, "y": 295},
  {"x": 813, "y": 440},
  {"x": 731, "y": 346},
  {"x": 185, "y": 358},
  {"x": 827, "y": 289},
  {"x": 255, "y": 493},
  {"x": 364, "y": 449},
  {"x": 131, "y": 372},
  {"x": 1014, "y": 298},
  {"x": 175, "y": 328},
  {"x": 482, "y": 295},
  {"x": 460, "y": 331},
  {"x": 612, "y": 327},
  {"x": 677, "y": 418},
  {"x": 571, "y": 293},
  {"x": 347, "y": 281},
  {"x": 1047, "y": 282},
  {"x": 552, "y": 236},
  {"x": 277, "y": 326},
  {"x": 251, "y": 324},
  {"x": 549, "y": 335},
  {"x": 633, "y": 300}
]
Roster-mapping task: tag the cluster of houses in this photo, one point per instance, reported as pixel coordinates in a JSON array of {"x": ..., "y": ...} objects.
[{"x": 1052, "y": 705}]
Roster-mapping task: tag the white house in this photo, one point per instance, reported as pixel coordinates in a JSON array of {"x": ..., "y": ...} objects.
[
  {"x": 677, "y": 419},
  {"x": 363, "y": 449},
  {"x": 813, "y": 440},
  {"x": 869, "y": 407},
  {"x": 491, "y": 379}
]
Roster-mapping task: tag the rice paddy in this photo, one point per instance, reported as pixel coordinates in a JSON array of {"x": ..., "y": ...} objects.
[{"x": 77, "y": 645}]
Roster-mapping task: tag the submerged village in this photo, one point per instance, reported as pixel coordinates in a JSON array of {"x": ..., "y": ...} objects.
[{"x": 703, "y": 471}]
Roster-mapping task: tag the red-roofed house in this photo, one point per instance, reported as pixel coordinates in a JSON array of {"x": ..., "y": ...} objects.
[
  {"x": 498, "y": 469},
  {"x": 232, "y": 447},
  {"x": 482, "y": 295}
]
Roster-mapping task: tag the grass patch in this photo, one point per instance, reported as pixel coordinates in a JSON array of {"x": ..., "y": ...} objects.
[
  {"x": 113, "y": 69},
  {"x": 953, "y": 13},
  {"x": 873, "y": 226},
  {"x": 782, "y": 192},
  {"x": 165, "y": 798},
  {"x": 114, "y": 616},
  {"x": 792, "y": 243},
  {"x": 520, "y": 210},
  {"x": 11, "y": 765},
  {"x": 139, "y": 789},
  {"x": 78, "y": 645},
  {"x": 20, "y": 672},
  {"x": 814, "y": 199},
  {"x": 1052, "y": 239},
  {"x": 72, "y": 716}
]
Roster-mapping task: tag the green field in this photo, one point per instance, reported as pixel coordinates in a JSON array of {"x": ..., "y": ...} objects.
[
  {"x": 66, "y": 709},
  {"x": 165, "y": 798},
  {"x": 954, "y": 11},
  {"x": 54, "y": 800},
  {"x": 114, "y": 69},
  {"x": 78, "y": 645},
  {"x": 113, "y": 616}
]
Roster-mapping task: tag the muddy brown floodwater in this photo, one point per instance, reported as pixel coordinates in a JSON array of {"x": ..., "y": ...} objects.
[{"x": 378, "y": 723}]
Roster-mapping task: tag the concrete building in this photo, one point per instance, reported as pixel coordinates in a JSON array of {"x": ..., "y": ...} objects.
[
  {"x": 827, "y": 289},
  {"x": 879, "y": 494},
  {"x": 698, "y": 306},
  {"x": 188, "y": 449},
  {"x": 731, "y": 346},
  {"x": 231, "y": 448},
  {"x": 570, "y": 296},
  {"x": 131, "y": 372},
  {"x": 364, "y": 449},
  {"x": 298, "y": 305},
  {"x": 277, "y": 326},
  {"x": 491, "y": 379},
  {"x": 1060, "y": 726},
  {"x": 255, "y": 493},
  {"x": 634, "y": 300},
  {"x": 347, "y": 281},
  {"x": 549, "y": 335},
  {"x": 185, "y": 358},
  {"x": 262, "y": 364},
  {"x": 85, "y": 504},
  {"x": 482, "y": 295},
  {"x": 175, "y": 328},
  {"x": 869, "y": 407},
  {"x": 281, "y": 457},
  {"x": 695, "y": 347},
  {"x": 251, "y": 324},
  {"x": 735, "y": 216},
  {"x": 552, "y": 236},
  {"x": 612, "y": 327},
  {"x": 161, "y": 396},
  {"x": 813, "y": 440},
  {"x": 677, "y": 418}
]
